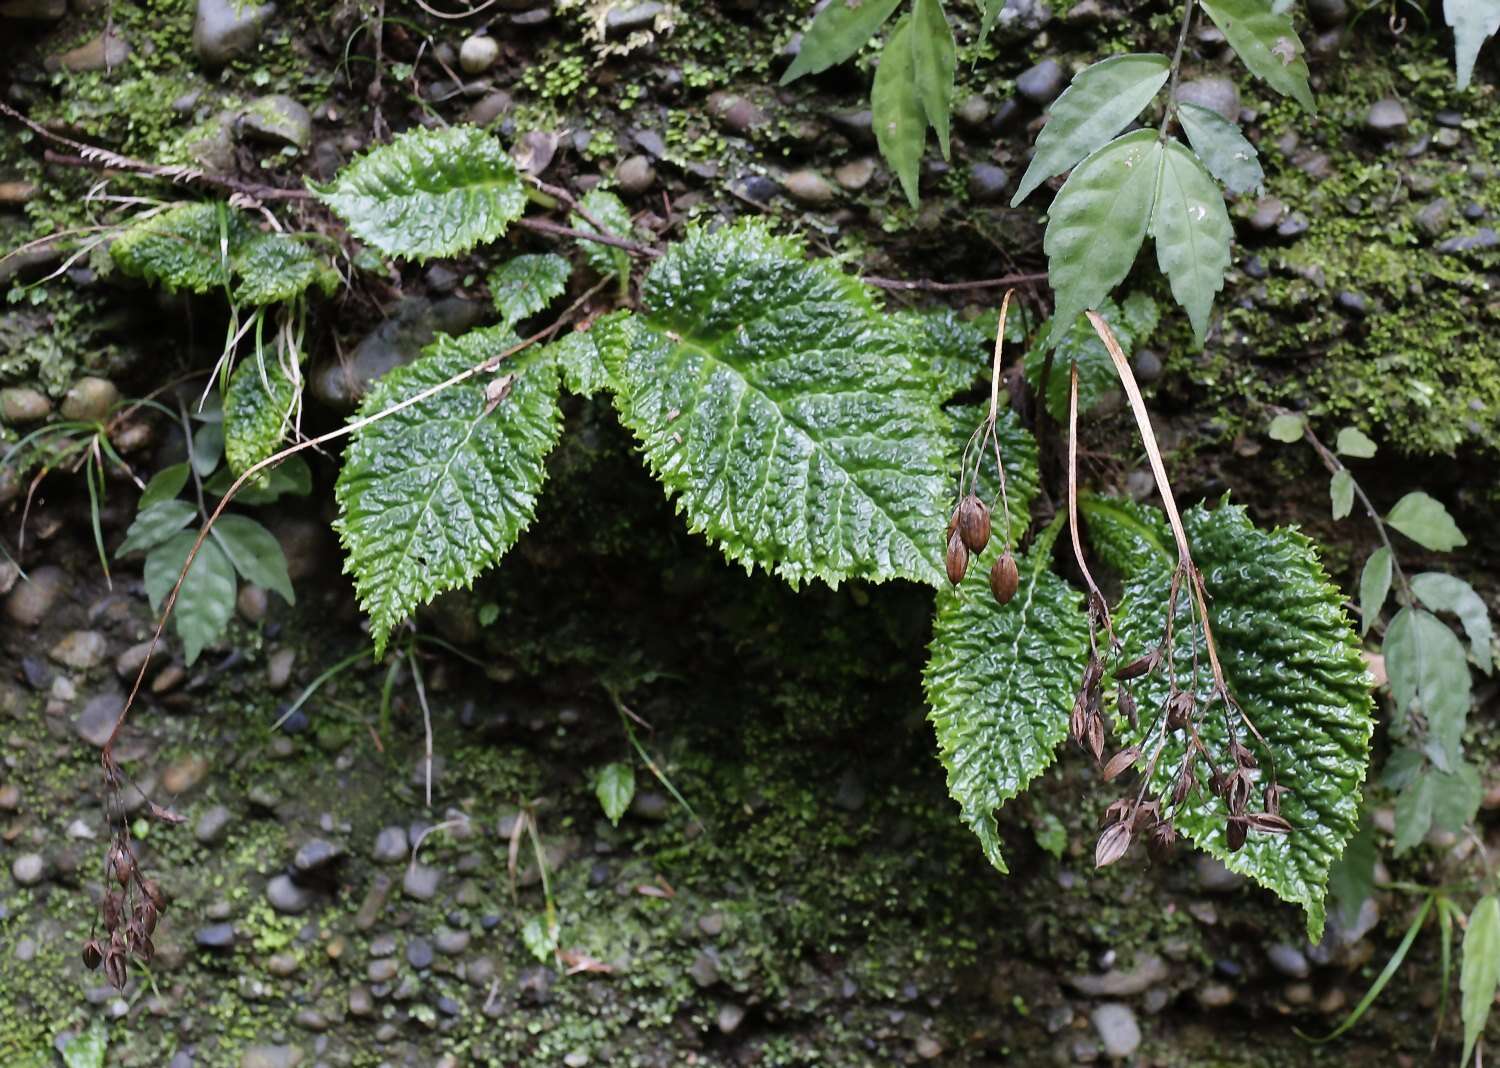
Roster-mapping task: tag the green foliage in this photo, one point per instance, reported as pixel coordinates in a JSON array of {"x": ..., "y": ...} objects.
[
  {"x": 1192, "y": 232},
  {"x": 837, "y": 33},
  {"x": 999, "y": 684},
  {"x": 524, "y": 285},
  {"x": 934, "y": 61},
  {"x": 1480, "y": 973},
  {"x": 164, "y": 485},
  {"x": 896, "y": 109},
  {"x": 270, "y": 268},
  {"x": 1473, "y": 22},
  {"x": 433, "y": 494},
  {"x": 1341, "y": 493},
  {"x": 1431, "y": 798},
  {"x": 1374, "y": 585},
  {"x": 614, "y": 786},
  {"x": 1448, "y": 593},
  {"x": 155, "y": 523},
  {"x": 428, "y": 193},
  {"x": 1429, "y": 679},
  {"x": 254, "y": 552},
  {"x": 258, "y": 407},
  {"x": 790, "y": 417},
  {"x": 1351, "y": 880},
  {"x": 1222, "y": 148},
  {"x": 206, "y": 601},
  {"x": 614, "y": 217},
  {"x": 578, "y": 357},
  {"x": 1291, "y": 660},
  {"x": 1100, "y": 102},
  {"x": 1424, "y": 520},
  {"x": 87, "y": 1048},
  {"x": 1287, "y": 428},
  {"x": 1132, "y": 321},
  {"x": 1266, "y": 42},
  {"x": 1354, "y": 443}
]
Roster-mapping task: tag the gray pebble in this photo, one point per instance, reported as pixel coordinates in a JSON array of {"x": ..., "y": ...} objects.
[
  {"x": 20, "y": 406},
  {"x": 1117, "y": 1029},
  {"x": 212, "y": 824},
  {"x": 33, "y": 599},
  {"x": 421, "y": 882},
  {"x": 635, "y": 175},
  {"x": 28, "y": 869},
  {"x": 1386, "y": 117},
  {"x": 317, "y": 854},
  {"x": 391, "y": 844},
  {"x": 382, "y": 970},
  {"x": 1288, "y": 960},
  {"x": 810, "y": 189},
  {"x": 450, "y": 942},
  {"x": 1214, "y": 93},
  {"x": 419, "y": 954},
  {"x": 287, "y": 897},
  {"x": 216, "y": 936},
  {"x": 1042, "y": 83},
  {"x": 988, "y": 183},
  {"x": 225, "y": 29},
  {"x": 478, "y": 53}
]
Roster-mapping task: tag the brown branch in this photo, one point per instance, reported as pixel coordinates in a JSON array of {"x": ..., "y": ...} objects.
[
  {"x": 546, "y": 226},
  {"x": 927, "y": 285},
  {"x": 148, "y": 170}
]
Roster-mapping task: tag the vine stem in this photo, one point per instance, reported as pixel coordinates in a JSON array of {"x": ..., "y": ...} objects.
[
  {"x": 1096, "y": 597},
  {"x": 1171, "y": 113}
]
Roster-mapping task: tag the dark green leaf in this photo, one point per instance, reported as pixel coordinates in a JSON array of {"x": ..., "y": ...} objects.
[
  {"x": 1000, "y": 682},
  {"x": 1266, "y": 43},
  {"x": 1098, "y": 221},
  {"x": 896, "y": 110},
  {"x": 934, "y": 61},
  {"x": 614, "y": 217},
  {"x": 1100, "y": 102},
  {"x": 428, "y": 193},
  {"x": 838, "y": 31},
  {"x": 207, "y": 448},
  {"x": 154, "y": 524},
  {"x": 524, "y": 285},
  {"x": 992, "y": 9},
  {"x": 1480, "y": 973},
  {"x": 578, "y": 354},
  {"x": 290, "y": 476},
  {"x": 615, "y": 787},
  {"x": 1427, "y": 669},
  {"x": 1456, "y": 798},
  {"x": 793, "y": 419},
  {"x": 186, "y": 247},
  {"x": 164, "y": 485},
  {"x": 433, "y": 495},
  {"x": 1353, "y": 442},
  {"x": 1448, "y": 593},
  {"x": 1192, "y": 233},
  {"x": 957, "y": 350},
  {"x": 206, "y": 600},
  {"x": 1473, "y": 22},
  {"x": 1374, "y": 585},
  {"x": 258, "y": 408},
  {"x": 1126, "y": 536},
  {"x": 1222, "y": 148},
  {"x": 1341, "y": 492},
  {"x": 276, "y": 267},
  {"x": 255, "y": 553},
  {"x": 1425, "y": 521}
]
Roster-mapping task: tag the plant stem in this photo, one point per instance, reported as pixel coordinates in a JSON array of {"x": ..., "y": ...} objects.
[
  {"x": 1171, "y": 113},
  {"x": 1096, "y": 599}
]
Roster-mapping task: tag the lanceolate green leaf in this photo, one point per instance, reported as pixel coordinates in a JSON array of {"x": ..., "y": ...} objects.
[
  {"x": 1433, "y": 798},
  {"x": 1480, "y": 973},
  {"x": 839, "y": 31},
  {"x": 428, "y": 193},
  {"x": 615, "y": 787},
  {"x": 1291, "y": 659},
  {"x": 934, "y": 61},
  {"x": 896, "y": 110},
  {"x": 524, "y": 285},
  {"x": 1192, "y": 233},
  {"x": 156, "y": 523},
  {"x": 1427, "y": 669},
  {"x": 1448, "y": 593},
  {"x": 793, "y": 419},
  {"x": 1266, "y": 43},
  {"x": 431, "y": 496},
  {"x": 1000, "y": 682},
  {"x": 1098, "y": 221},
  {"x": 1222, "y": 148},
  {"x": 164, "y": 485},
  {"x": 1425, "y": 521},
  {"x": 206, "y": 600},
  {"x": 1341, "y": 493},
  {"x": 1099, "y": 103},
  {"x": 1374, "y": 585},
  {"x": 255, "y": 553},
  {"x": 1473, "y": 21},
  {"x": 992, "y": 9},
  {"x": 257, "y": 412}
]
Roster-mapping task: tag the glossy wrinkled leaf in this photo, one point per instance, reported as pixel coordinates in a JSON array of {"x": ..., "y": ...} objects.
[
  {"x": 1192, "y": 232},
  {"x": 1427, "y": 669},
  {"x": 1018, "y": 452},
  {"x": 273, "y": 267},
  {"x": 524, "y": 285},
  {"x": 1098, "y": 221},
  {"x": 934, "y": 62},
  {"x": 1351, "y": 880},
  {"x": 1448, "y": 593},
  {"x": 1479, "y": 974},
  {"x": 206, "y": 601},
  {"x": 1266, "y": 43},
  {"x": 1473, "y": 22},
  {"x": 156, "y": 523},
  {"x": 1425, "y": 521},
  {"x": 186, "y": 247},
  {"x": 579, "y": 358},
  {"x": 896, "y": 110},
  {"x": 1355, "y": 443},
  {"x": 957, "y": 350},
  {"x": 1132, "y": 321},
  {"x": 164, "y": 485},
  {"x": 838, "y": 31},
  {"x": 615, "y": 787},
  {"x": 255, "y": 553},
  {"x": 428, "y": 193},
  {"x": 431, "y": 496},
  {"x": 792, "y": 419},
  {"x": 1374, "y": 585},
  {"x": 1125, "y": 535},
  {"x": 1222, "y": 148},
  {"x": 1341, "y": 493},
  {"x": 1287, "y": 428},
  {"x": 87, "y": 1048},
  {"x": 612, "y": 214},
  {"x": 258, "y": 410},
  {"x": 1000, "y": 683},
  {"x": 1292, "y": 661},
  {"x": 1100, "y": 102}
]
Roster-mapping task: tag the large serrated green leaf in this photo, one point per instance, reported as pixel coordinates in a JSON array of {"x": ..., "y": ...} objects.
[
  {"x": 793, "y": 419},
  {"x": 838, "y": 31},
  {"x": 524, "y": 285},
  {"x": 957, "y": 350},
  {"x": 257, "y": 412},
  {"x": 1222, "y": 148},
  {"x": 428, "y": 193},
  {"x": 1126, "y": 536},
  {"x": 1098, "y": 221},
  {"x": 579, "y": 355},
  {"x": 896, "y": 110},
  {"x": 431, "y": 496},
  {"x": 1000, "y": 682},
  {"x": 1099, "y": 103},
  {"x": 1292, "y": 661},
  {"x": 276, "y": 267},
  {"x": 1132, "y": 321},
  {"x": 187, "y": 247},
  {"x": 1192, "y": 233},
  {"x": 1266, "y": 42},
  {"x": 934, "y": 62},
  {"x": 206, "y": 601},
  {"x": 1018, "y": 452},
  {"x": 1473, "y": 22}
]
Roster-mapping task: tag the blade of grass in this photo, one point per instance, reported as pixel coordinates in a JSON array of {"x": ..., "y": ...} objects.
[{"x": 1380, "y": 981}]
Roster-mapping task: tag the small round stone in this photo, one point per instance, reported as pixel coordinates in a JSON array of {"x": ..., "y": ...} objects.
[
  {"x": 28, "y": 869},
  {"x": 635, "y": 175},
  {"x": 478, "y": 54}
]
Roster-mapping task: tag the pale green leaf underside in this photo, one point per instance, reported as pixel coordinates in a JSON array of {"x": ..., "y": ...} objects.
[
  {"x": 1354, "y": 442},
  {"x": 1266, "y": 43},
  {"x": 615, "y": 788},
  {"x": 794, "y": 421},
  {"x": 206, "y": 600},
  {"x": 839, "y": 31},
  {"x": 1424, "y": 520},
  {"x": 1192, "y": 233},
  {"x": 1480, "y": 971},
  {"x": 1293, "y": 663},
  {"x": 1101, "y": 101},
  {"x": 524, "y": 285},
  {"x": 1098, "y": 221},
  {"x": 1341, "y": 493},
  {"x": 896, "y": 110},
  {"x": 1374, "y": 584},
  {"x": 254, "y": 552},
  {"x": 1448, "y": 593},
  {"x": 614, "y": 217},
  {"x": 999, "y": 683},
  {"x": 257, "y": 412},
  {"x": 1429, "y": 675},
  {"x": 428, "y": 193},
  {"x": 1473, "y": 21},
  {"x": 934, "y": 62},
  {"x": 431, "y": 496},
  {"x": 1222, "y": 148}
]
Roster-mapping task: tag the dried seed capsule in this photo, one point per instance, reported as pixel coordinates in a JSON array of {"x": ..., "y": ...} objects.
[
  {"x": 1112, "y": 845},
  {"x": 1004, "y": 578},
  {"x": 1234, "y": 834},
  {"x": 146, "y": 914},
  {"x": 974, "y": 523},
  {"x": 1121, "y": 762},
  {"x": 1163, "y": 838},
  {"x": 93, "y": 954},
  {"x": 957, "y": 560},
  {"x": 115, "y": 969},
  {"x": 154, "y": 895},
  {"x": 121, "y": 863},
  {"x": 111, "y": 907}
]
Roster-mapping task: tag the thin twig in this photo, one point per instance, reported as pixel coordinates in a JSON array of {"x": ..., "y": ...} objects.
[
  {"x": 148, "y": 170},
  {"x": 546, "y": 226},
  {"x": 416, "y": 677},
  {"x": 927, "y": 285},
  {"x": 1182, "y": 34}
]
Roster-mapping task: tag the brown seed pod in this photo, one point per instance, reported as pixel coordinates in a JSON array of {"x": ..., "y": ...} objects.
[
  {"x": 154, "y": 895},
  {"x": 1186, "y": 780},
  {"x": 1234, "y": 834},
  {"x": 1121, "y": 762},
  {"x": 111, "y": 908},
  {"x": 115, "y": 968},
  {"x": 1163, "y": 837},
  {"x": 146, "y": 915},
  {"x": 1004, "y": 578},
  {"x": 1180, "y": 709},
  {"x": 957, "y": 560},
  {"x": 93, "y": 954},
  {"x": 121, "y": 863},
  {"x": 1112, "y": 845},
  {"x": 974, "y": 523},
  {"x": 1142, "y": 665}
]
